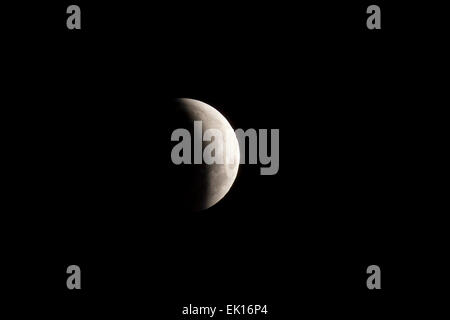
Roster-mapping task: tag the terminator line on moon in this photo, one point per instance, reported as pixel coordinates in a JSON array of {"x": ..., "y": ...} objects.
[{"x": 200, "y": 186}]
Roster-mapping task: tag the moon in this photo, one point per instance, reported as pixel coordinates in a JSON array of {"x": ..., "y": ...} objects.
[{"x": 200, "y": 186}]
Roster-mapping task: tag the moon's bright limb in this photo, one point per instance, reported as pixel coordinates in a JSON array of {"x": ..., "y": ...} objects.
[{"x": 211, "y": 182}]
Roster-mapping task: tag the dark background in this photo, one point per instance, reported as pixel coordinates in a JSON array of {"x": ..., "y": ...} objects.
[{"x": 89, "y": 142}]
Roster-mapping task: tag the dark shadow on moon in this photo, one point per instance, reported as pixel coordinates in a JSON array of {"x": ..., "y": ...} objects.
[{"x": 195, "y": 187}]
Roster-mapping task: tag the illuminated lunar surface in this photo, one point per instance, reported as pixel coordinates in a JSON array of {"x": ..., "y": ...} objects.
[{"x": 200, "y": 186}]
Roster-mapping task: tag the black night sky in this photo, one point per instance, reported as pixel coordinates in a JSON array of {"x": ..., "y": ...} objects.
[{"x": 91, "y": 148}]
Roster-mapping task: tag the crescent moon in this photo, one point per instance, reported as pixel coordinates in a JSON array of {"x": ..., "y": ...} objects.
[{"x": 203, "y": 184}]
